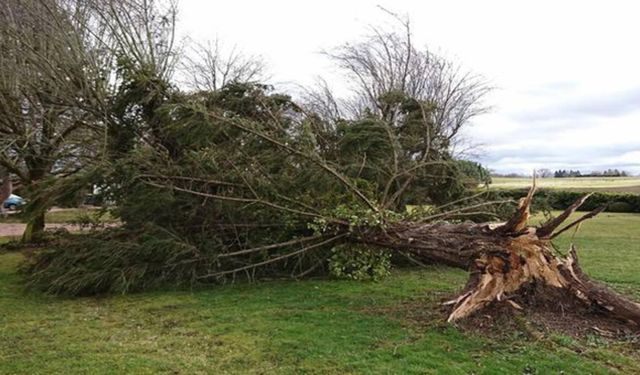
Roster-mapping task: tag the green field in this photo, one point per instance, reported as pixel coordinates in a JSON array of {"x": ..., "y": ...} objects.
[
  {"x": 602, "y": 184},
  {"x": 313, "y": 326}
]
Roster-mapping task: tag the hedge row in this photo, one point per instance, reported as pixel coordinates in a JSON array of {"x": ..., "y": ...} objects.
[{"x": 560, "y": 199}]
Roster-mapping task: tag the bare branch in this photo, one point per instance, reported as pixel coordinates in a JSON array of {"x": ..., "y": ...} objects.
[
  {"x": 548, "y": 228},
  {"x": 209, "y": 68}
]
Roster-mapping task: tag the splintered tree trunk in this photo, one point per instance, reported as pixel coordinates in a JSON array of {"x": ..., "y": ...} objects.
[{"x": 504, "y": 259}]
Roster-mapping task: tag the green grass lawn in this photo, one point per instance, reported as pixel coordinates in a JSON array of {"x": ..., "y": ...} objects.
[
  {"x": 602, "y": 184},
  {"x": 313, "y": 326}
]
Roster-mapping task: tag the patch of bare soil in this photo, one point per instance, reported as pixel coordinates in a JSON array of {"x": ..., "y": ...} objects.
[
  {"x": 544, "y": 312},
  {"x": 16, "y": 229}
]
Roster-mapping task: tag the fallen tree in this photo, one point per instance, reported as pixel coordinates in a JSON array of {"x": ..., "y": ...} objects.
[
  {"x": 242, "y": 182},
  {"x": 505, "y": 260},
  {"x": 251, "y": 198}
]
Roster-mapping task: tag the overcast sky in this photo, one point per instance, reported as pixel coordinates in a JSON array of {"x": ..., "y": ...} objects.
[{"x": 567, "y": 73}]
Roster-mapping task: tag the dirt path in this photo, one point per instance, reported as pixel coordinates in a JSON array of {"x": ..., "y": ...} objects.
[{"x": 16, "y": 229}]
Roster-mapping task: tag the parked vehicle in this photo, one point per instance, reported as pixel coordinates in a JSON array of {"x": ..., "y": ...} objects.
[{"x": 13, "y": 202}]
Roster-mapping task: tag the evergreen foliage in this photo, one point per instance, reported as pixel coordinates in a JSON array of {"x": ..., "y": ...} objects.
[{"x": 244, "y": 182}]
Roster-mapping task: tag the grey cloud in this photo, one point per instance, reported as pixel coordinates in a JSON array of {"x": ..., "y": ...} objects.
[
  {"x": 584, "y": 159},
  {"x": 604, "y": 105},
  {"x": 541, "y": 153}
]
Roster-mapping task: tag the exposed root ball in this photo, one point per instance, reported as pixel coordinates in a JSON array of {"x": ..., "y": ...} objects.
[{"x": 505, "y": 260}]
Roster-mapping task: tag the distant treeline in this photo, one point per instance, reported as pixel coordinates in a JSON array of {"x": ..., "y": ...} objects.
[
  {"x": 547, "y": 173},
  {"x": 607, "y": 173}
]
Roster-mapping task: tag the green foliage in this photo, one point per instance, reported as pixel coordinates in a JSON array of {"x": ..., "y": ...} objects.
[
  {"x": 473, "y": 173},
  {"x": 449, "y": 181},
  {"x": 620, "y": 207},
  {"x": 364, "y": 149},
  {"x": 195, "y": 177},
  {"x": 135, "y": 108},
  {"x": 172, "y": 233},
  {"x": 438, "y": 184},
  {"x": 359, "y": 262},
  {"x": 112, "y": 262}
]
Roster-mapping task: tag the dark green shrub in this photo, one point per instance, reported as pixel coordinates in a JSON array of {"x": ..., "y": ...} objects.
[
  {"x": 561, "y": 199},
  {"x": 620, "y": 207}
]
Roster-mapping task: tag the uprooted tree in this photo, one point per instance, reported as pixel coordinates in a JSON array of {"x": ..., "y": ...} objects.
[
  {"x": 242, "y": 182},
  {"x": 228, "y": 197}
]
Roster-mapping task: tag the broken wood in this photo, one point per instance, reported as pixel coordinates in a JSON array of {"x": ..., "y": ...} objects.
[{"x": 505, "y": 260}]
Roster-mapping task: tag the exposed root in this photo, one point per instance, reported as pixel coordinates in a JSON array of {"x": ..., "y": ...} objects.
[
  {"x": 609, "y": 301},
  {"x": 546, "y": 310},
  {"x": 547, "y": 229},
  {"x": 530, "y": 263},
  {"x": 527, "y": 259},
  {"x": 504, "y": 260}
]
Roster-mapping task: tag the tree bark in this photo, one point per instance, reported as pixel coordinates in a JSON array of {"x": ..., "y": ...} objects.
[
  {"x": 503, "y": 259},
  {"x": 5, "y": 191},
  {"x": 35, "y": 210},
  {"x": 35, "y": 227}
]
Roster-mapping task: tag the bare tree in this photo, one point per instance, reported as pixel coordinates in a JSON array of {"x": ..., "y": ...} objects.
[
  {"x": 322, "y": 100},
  {"x": 142, "y": 32},
  {"x": 419, "y": 99},
  {"x": 209, "y": 67},
  {"x": 387, "y": 65},
  {"x": 60, "y": 68},
  {"x": 45, "y": 84},
  {"x": 544, "y": 173}
]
